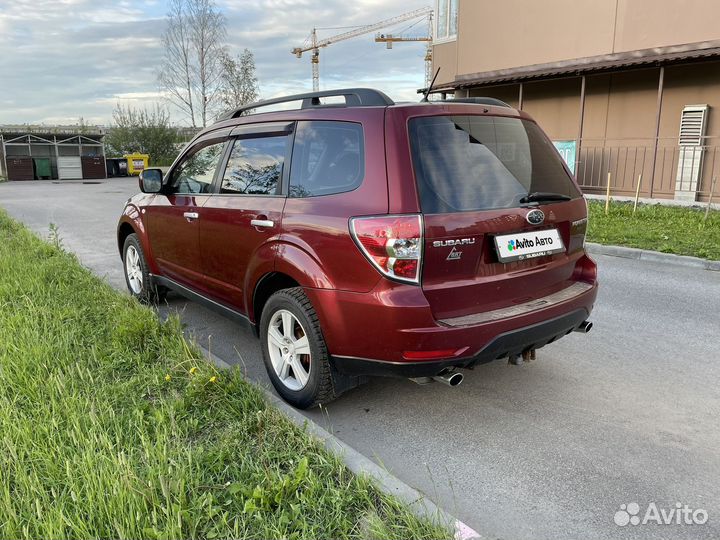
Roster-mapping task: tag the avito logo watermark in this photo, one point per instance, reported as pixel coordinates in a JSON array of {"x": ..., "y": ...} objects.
[
  {"x": 680, "y": 514},
  {"x": 528, "y": 243}
]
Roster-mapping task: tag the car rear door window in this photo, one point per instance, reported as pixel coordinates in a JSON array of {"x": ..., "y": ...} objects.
[
  {"x": 255, "y": 166},
  {"x": 466, "y": 163},
  {"x": 328, "y": 158}
]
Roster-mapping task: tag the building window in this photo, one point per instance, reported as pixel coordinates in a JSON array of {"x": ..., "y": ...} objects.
[{"x": 446, "y": 12}]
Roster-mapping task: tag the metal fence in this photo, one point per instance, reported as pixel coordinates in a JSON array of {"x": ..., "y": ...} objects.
[{"x": 666, "y": 168}]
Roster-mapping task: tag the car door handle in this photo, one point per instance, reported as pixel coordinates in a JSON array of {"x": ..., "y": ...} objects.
[
  {"x": 262, "y": 223},
  {"x": 190, "y": 216}
]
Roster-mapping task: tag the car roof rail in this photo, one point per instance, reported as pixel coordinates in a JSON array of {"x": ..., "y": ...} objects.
[
  {"x": 354, "y": 97},
  {"x": 480, "y": 101}
]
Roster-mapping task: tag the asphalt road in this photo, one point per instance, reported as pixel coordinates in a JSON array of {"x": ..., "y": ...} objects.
[{"x": 551, "y": 449}]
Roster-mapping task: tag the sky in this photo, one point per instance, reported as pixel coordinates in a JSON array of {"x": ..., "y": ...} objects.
[{"x": 66, "y": 59}]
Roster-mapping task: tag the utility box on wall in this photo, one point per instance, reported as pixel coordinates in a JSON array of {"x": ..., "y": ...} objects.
[{"x": 692, "y": 150}]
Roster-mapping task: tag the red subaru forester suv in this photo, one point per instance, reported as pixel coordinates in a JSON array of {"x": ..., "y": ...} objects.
[{"x": 362, "y": 237}]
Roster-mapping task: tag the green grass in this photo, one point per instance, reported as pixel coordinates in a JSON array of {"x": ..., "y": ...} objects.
[
  {"x": 112, "y": 426},
  {"x": 669, "y": 229}
]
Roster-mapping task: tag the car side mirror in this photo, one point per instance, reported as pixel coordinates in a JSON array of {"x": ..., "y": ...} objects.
[{"x": 150, "y": 180}]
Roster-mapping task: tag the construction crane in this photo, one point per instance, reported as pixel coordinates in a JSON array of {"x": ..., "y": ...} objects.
[
  {"x": 315, "y": 45},
  {"x": 389, "y": 39}
]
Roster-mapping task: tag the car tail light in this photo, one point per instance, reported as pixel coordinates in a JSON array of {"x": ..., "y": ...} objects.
[{"x": 393, "y": 244}]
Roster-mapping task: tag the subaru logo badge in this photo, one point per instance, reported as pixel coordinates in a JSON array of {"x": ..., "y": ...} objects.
[{"x": 535, "y": 217}]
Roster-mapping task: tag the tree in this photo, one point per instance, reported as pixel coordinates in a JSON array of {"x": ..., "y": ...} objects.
[
  {"x": 147, "y": 131},
  {"x": 239, "y": 83},
  {"x": 191, "y": 70}
]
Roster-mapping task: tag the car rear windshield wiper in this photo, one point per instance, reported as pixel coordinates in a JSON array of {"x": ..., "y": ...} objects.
[{"x": 540, "y": 196}]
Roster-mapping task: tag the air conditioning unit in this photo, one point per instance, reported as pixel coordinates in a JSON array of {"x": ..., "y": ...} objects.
[{"x": 692, "y": 149}]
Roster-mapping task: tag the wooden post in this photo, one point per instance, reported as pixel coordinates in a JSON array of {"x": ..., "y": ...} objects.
[
  {"x": 637, "y": 193},
  {"x": 712, "y": 190},
  {"x": 658, "y": 112},
  {"x": 578, "y": 140},
  {"x": 607, "y": 196}
]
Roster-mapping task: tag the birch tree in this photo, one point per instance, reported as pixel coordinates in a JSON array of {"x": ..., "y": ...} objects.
[{"x": 191, "y": 70}]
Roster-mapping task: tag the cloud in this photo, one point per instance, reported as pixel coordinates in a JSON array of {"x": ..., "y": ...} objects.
[{"x": 63, "y": 59}]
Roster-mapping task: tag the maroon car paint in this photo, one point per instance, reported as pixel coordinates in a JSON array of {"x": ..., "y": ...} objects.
[{"x": 362, "y": 313}]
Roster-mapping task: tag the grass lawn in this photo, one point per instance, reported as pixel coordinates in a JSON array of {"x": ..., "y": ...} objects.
[
  {"x": 112, "y": 426},
  {"x": 669, "y": 229}
]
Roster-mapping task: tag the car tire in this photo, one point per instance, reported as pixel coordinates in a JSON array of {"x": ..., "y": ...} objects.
[
  {"x": 294, "y": 350},
  {"x": 137, "y": 275}
]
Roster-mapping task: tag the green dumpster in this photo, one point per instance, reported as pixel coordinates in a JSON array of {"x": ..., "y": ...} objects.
[{"x": 42, "y": 168}]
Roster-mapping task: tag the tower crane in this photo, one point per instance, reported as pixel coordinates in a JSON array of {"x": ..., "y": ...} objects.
[
  {"x": 389, "y": 39},
  {"x": 315, "y": 45}
]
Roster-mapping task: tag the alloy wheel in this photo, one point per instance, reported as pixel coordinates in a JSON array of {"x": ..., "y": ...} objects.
[
  {"x": 289, "y": 349},
  {"x": 133, "y": 269}
]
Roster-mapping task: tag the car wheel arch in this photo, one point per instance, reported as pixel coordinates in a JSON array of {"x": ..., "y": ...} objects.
[
  {"x": 124, "y": 230},
  {"x": 265, "y": 287},
  {"x": 130, "y": 223}
]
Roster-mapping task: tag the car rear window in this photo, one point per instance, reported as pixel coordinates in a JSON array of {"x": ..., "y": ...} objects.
[{"x": 465, "y": 163}]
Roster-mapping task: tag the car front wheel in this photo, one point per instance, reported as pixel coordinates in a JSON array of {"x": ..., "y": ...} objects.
[{"x": 137, "y": 275}]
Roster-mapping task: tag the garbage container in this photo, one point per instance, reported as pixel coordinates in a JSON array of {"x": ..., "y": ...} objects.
[
  {"x": 116, "y": 167},
  {"x": 137, "y": 163},
  {"x": 111, "y": 168},
  {"x": 20, "y": 168},
  {"x": 42, "y": 168},
  {"x": 93, "y": 167}
]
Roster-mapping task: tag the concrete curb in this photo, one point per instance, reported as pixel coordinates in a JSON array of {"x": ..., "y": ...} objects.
[
  {"x": 362, "y": 465},
  {"x": 653, "y": 256}
]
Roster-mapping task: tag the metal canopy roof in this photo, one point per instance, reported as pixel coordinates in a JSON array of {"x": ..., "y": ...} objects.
[
  {"x": 703, "y": 51},
  {"x": 49, "y": 131}
]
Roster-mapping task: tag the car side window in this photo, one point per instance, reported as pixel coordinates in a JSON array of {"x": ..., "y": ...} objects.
[
  {"x": 255, "y": 166},
  {"x": 328, "y": 158},
  {"x": 195, "y": 174}
]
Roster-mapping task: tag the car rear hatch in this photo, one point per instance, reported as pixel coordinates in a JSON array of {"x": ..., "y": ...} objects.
[{"x": 504, "y": 223}]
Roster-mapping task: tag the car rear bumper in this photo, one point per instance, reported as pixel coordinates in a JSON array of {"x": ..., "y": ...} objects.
[
  {"x": 381, "y": 332},
  {"x": 509, "y": 343}
]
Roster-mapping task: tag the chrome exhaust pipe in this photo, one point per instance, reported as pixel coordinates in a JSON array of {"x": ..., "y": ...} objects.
[
  {"x": 584, "y": 327},
  {"x": 451, "y": 378}
]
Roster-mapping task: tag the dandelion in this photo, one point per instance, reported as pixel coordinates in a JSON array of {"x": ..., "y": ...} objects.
[
  {"x": 168, "y": 377},
  {"x": 213, "y": 379},
  {"x": 193, "y": 370}
]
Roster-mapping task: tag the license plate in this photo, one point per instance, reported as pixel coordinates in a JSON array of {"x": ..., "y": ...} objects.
[{"x": 520, "y": 246}]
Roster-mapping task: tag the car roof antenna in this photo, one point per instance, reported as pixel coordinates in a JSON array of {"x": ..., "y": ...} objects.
[{"x": 429, "y": 88}]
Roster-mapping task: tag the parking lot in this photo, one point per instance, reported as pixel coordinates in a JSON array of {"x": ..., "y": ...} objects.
[{"x": 549, "y": 449}]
